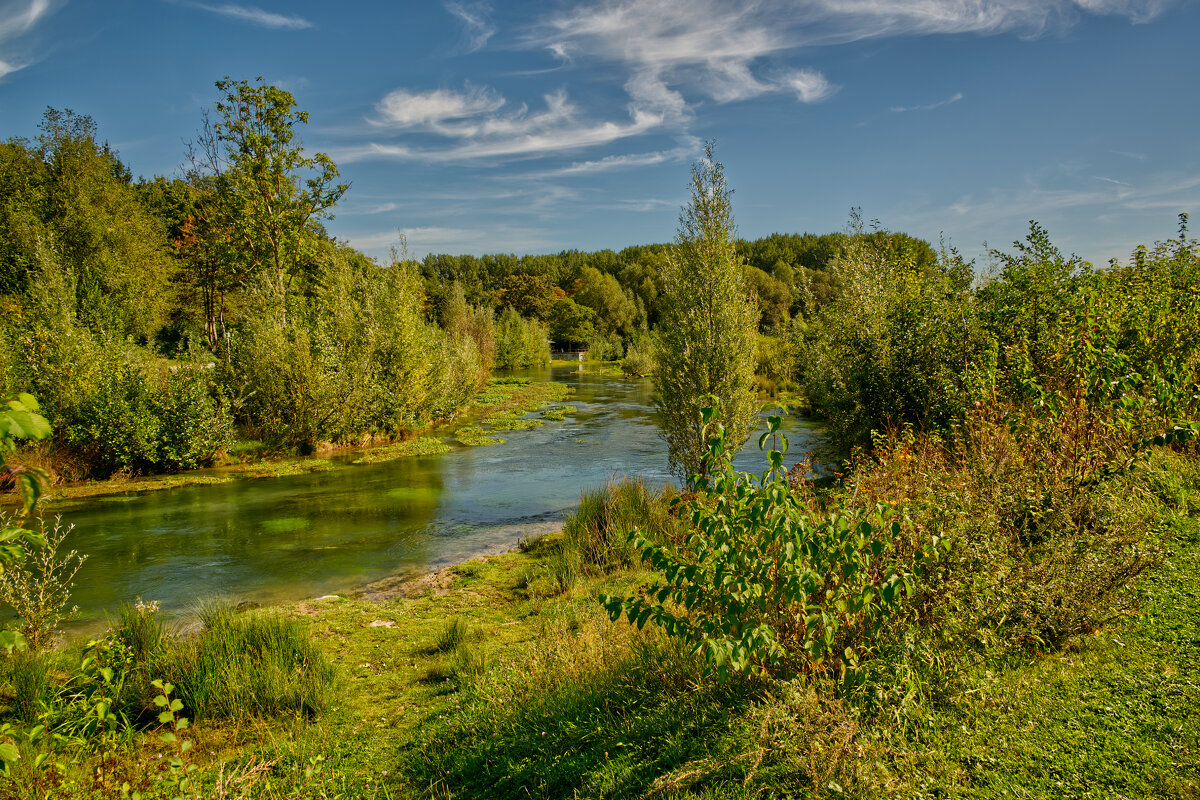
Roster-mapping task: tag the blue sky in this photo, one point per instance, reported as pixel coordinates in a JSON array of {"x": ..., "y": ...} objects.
[{"x": 534, "y": 127}]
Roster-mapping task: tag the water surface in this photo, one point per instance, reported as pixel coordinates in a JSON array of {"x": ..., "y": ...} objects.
[{"x": 278, "y": 539}]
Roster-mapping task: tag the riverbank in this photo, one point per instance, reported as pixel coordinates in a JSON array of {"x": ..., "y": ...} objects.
[
  {"x": 503, "y": 677},
  {"x": 502, "y": 401},
  {"x": 486, "y": 681}
]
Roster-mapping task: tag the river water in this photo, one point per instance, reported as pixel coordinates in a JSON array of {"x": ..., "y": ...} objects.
[{"x": 271, "y": 540}]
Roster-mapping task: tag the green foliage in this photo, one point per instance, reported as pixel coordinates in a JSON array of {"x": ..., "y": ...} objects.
[
  {"x": 895, "y": 347},
  {"x": 38, "y": 587},
  {"x": 355, "y": 357},
  {"x": 521, "y": 342},
  {"x": 762, "y": 581},
  {"x": 71, "y": 215},
  {"x": 20, "y": 420},
  {"x": 637, "y": 362},
  {"x": 615, "y": 309},
  {"x": 270, "y": 193},
  {"x": 571, "y": 324},
  {"x": 706, "y": 332}
]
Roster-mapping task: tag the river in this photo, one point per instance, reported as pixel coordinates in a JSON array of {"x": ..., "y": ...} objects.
[{"x": 272, "y": 540}]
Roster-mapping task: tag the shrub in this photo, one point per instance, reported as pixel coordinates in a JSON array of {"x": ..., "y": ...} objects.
[
  {"x": 521, "y": 342},
  {"x": 38, "y": 588},
  {"x": 763, "y": 581},
  {"x": 637, "y": 362}
]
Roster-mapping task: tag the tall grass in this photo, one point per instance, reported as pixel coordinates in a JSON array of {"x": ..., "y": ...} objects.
[
  {"x": 254, "y": 663},
  {"x": 596, "y": 536}
]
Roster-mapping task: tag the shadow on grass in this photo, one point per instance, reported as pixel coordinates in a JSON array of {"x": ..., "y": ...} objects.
[{"x": 613, "y": 734}]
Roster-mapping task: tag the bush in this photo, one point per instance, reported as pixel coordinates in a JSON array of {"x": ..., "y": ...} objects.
[
  {"x": 895, "y": 346},
  {"x": 38, "y": 588},
  {"x": 763, "y": 581},
  {"x": 521, "y": 342},
  {"x": 637, "y": 362}
]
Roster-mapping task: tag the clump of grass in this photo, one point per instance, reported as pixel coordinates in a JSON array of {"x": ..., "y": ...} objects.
[
  {"x": 251, "y": 663},
  {"x": 596, "y": 536},
  {"x": 26, "y": 685},
  {"x": 141, "y": 630},
  {"x": 474, "y": 436},
  {"x": 453, "y": 633},
  {"x": 558, "y": 413}
]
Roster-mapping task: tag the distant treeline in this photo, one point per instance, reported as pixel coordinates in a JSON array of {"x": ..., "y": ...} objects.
[{"x": 605, "y": 298}]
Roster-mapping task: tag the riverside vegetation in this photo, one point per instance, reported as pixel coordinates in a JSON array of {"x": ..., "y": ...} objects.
[{"x": 998, "y": 594}]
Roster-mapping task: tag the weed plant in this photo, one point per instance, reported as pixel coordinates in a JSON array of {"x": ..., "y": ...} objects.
[
  {"x": 38, "y": 588},
  {"x": 596, "y": 536}
]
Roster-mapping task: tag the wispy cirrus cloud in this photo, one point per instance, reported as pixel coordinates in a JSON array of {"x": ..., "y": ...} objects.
[
  {"x": 17, "y": 19},
  {"x": 670, "y": 63},
  {"x": 484, "y": 126},
  {"x": 254, "y": 16},
  {"x": 626, "y": 161},
  {"x": 954, "y": 98},
  {"x": 477, "y": 27}
]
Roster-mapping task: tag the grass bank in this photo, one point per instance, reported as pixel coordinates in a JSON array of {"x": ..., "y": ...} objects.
[
  {"x": 504, "y": 678},
  {"x": 505, "y": 404}
]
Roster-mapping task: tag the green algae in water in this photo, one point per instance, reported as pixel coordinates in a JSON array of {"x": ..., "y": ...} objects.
[
  {"x": 424, "y": 495},
  {"x": 284, "y": 524},
  {"x": 558, "y": 413},
  {"x": 421, "y": 446},
  {"x": 510, "y": 424},
  {"x": 474, "y": 436}
]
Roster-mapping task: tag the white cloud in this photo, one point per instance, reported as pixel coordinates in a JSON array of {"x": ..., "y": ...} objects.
[
  {"x": 670, "y": 60},
  {"x": 26, "y": 15},
  {"x": 810, "y": 86},
  {"x": 255, "y": 16},
  {"x": 474, "y": 120},
  {"x": 17, "y": 19},
  {"x": 834, "y": 21},
  {"x": 628, "y": 161},
  {"x": 477, "y": 27},
  {"x": 954, "y": 98},
  {"x": 408, "y": 109}
]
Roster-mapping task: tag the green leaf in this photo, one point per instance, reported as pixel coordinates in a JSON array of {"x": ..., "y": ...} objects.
[{"x": 9, "y": 753}]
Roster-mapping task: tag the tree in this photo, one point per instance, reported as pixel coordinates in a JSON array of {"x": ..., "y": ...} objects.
[
  {"x": 271, "y": 195},
  {"x": 571, "y": 324},
  {"x": 616, "y": 311},
  {"x": 529, "y": 295},
  {"x": 706, "y": 342}
]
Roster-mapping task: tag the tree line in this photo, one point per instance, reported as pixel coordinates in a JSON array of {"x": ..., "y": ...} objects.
[{"x": 157, "y": 320}]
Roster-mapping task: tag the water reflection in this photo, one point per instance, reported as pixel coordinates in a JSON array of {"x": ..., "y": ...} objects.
[{"x": 278, "y": 539}]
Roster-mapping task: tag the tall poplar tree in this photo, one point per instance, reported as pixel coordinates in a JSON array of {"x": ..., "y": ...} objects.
[{"x": 706, "y": 331}]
